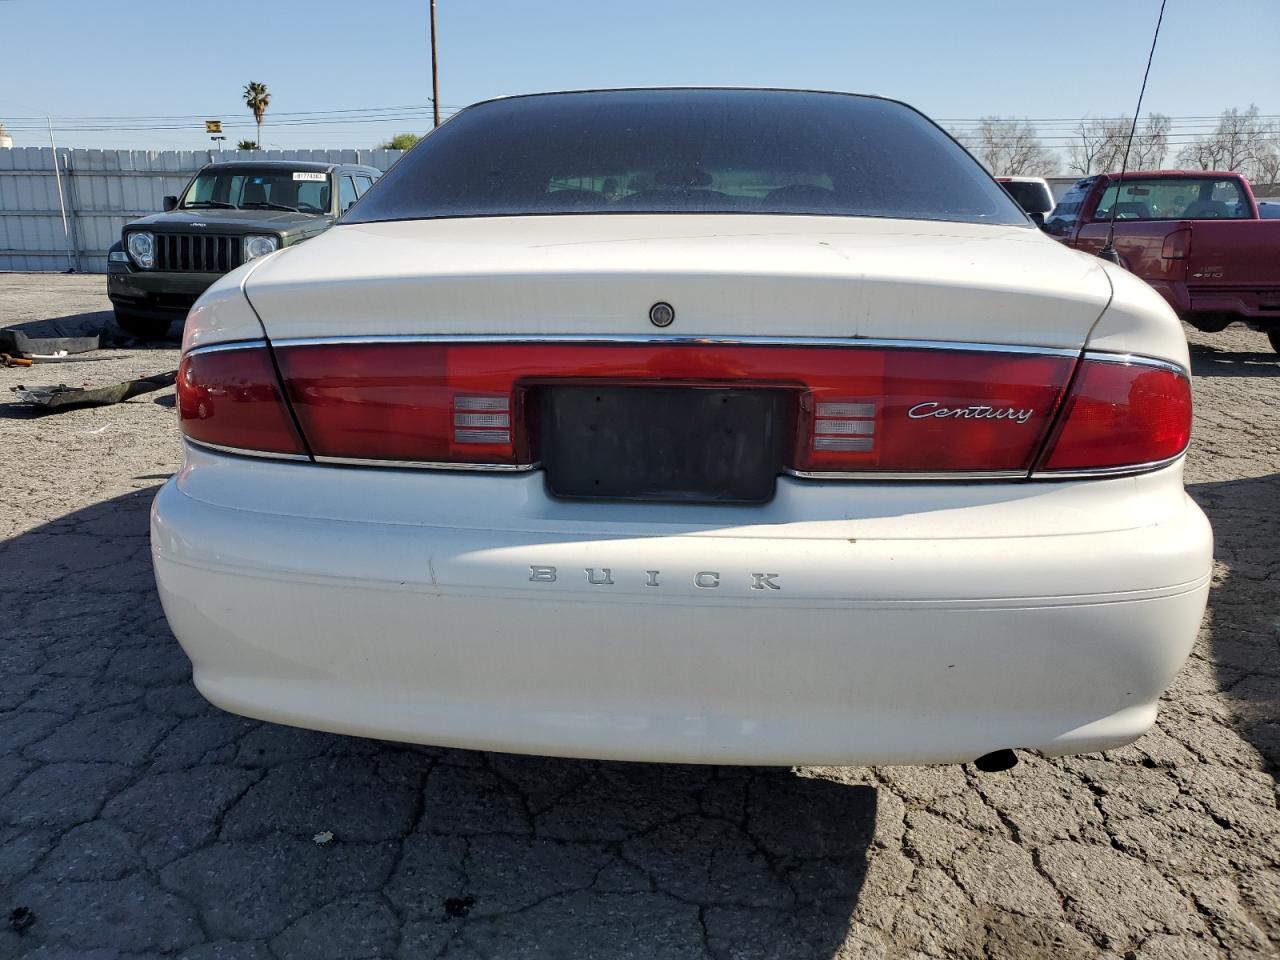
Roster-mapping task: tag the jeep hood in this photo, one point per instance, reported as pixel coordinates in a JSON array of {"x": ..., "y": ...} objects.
[{"x": 230, "y": 221}]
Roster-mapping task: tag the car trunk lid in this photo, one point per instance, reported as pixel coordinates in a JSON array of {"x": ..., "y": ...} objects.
[{"x": 725, "y": 275}]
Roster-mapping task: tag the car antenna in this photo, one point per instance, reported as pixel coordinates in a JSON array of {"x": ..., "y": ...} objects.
[{"x": 1108, "y": 251}]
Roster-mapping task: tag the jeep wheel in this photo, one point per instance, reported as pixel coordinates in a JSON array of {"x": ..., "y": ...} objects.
[
  {"x": 144, "y": 328},
  {"x": 1274, "y": 337}
]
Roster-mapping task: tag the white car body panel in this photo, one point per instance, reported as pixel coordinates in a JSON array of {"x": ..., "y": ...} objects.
[
  {"x": 1138, "y": 320},
  {"x": 223, "y": 314}
]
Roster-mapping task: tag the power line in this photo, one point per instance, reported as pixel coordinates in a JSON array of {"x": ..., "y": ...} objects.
[
  {"x": 1261, "y": 116},
  {"x": 94, "y": 121},
  {"x": 454, "y": 106},
  {"x": 212, "y": 113},
  {"x": 231, "y": 124},
  {"x": 279, "y": 119}
]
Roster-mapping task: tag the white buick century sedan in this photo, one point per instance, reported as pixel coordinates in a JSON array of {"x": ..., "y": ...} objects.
[{"x": 716, "y": 426}]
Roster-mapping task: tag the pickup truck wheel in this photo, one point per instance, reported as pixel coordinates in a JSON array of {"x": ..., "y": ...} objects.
[
  {"x": 144, "y": 328},
  {"x": 1274, "y": 337}
]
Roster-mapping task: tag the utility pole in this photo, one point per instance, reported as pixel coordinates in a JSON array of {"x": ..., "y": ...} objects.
[{"x": 435, "y": 73}]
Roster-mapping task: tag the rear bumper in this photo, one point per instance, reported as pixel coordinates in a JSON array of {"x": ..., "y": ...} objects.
[
  {"x": 830, "y": 626},
  {"x": 1258, "y": 307}
]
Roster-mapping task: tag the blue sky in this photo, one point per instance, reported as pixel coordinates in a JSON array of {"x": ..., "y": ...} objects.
[{"x": 951, "y": 58}]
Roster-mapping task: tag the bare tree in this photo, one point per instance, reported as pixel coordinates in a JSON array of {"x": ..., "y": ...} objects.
[
  {"x": 1265, "y": 168},
  {"x": 1201, "y": 154},
  {"x": 1150, "y": 144},
  {"x": 1234, "y": 145},
  {"x": 1010, "y": 148},
  {"x": 1099, "y": 145}
]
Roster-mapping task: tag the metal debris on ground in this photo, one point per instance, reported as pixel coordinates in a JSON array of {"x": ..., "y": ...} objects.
[
  {"x": 17, "y": 343},
  {"x": 62, "y": 356},
  {"x": 322, "y": 838},
  {"x": 62, "y": 397}
]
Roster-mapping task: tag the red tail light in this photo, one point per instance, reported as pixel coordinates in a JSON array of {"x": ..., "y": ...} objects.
[
  {"x": 410, "y": 402},
  {"x": 851, "y": 411},
  {"x": 1177, "y": 245},
  {"x": 1120, "y": 415},
  {"x": 230, "y": 397},
  {"x": 856, "y": 410},
  {"x": 923, "y": 411}
]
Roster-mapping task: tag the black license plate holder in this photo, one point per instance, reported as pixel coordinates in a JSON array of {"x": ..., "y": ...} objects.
[{"x": 676, "y": 444}]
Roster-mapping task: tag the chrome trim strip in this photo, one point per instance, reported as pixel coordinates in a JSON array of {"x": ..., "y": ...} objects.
[
  {"x": 1138, "y": 359},
  {"x": 1096, "y": 472},
  {"x": 357, "y": 462},
  {"x": 240, "y": 452},
  {"x": 227, "y": 347},
  {"x": 430, "y": 465},
  {"x": 885, "y": 475},
  {"x": 684, "y": 340},
  {"x": 679, "y": 340}
]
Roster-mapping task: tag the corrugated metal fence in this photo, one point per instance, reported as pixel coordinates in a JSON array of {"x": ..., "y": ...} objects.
[{"x": 101, "y": 191}]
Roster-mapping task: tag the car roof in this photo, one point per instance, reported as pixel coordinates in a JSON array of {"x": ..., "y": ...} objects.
[
  {"x": 684, "y": 88},
  {"x": 1198, "y": 174},
  {"x": 307, "y": 166}
]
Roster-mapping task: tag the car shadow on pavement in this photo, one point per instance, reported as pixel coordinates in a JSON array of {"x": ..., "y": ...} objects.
[
  {"x": 1244, "y": 605},
  {"x": 136, "y": 818},
  {"x": 1209, "y": 361}
]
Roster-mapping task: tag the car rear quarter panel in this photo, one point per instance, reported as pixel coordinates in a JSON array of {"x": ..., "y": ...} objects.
[
  {"x": 1138, "y": 320},
  {"x": 223, "y": 313}
]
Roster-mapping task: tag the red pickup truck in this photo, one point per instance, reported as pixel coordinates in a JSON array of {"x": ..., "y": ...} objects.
[{"x": 1194, "y": 235}]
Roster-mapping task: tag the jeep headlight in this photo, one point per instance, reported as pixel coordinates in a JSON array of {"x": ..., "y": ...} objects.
[
  {"x": 142, "y": 247},
  {"x": 255, "y": 247}
]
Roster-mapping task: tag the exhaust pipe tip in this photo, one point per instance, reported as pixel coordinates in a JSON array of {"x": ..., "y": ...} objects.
[{"x": 996, "y": 761}]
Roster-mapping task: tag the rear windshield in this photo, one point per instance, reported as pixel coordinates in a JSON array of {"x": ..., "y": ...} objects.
[
  {"x": 687, "y": 151},
  {"x": 268, "y": 188},
  {"x": 1175, "y": 198}
]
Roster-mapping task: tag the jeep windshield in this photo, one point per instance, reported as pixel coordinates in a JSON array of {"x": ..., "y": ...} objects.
[
  {"x": 266, "y": 188},
  {"x": 689, "y": 151}
]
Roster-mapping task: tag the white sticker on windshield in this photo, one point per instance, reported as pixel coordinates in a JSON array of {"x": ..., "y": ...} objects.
[{"x": 309, "y": 176}]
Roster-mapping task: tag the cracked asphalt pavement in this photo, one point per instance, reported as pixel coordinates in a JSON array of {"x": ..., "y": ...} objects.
[{"x": 138, "y": 821}]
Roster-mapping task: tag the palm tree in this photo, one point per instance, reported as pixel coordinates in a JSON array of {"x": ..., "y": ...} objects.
[{"x": 257, "y": 99}]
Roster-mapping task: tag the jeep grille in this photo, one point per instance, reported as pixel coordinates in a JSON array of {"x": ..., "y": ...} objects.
[{"x": 197, "y": 253}]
